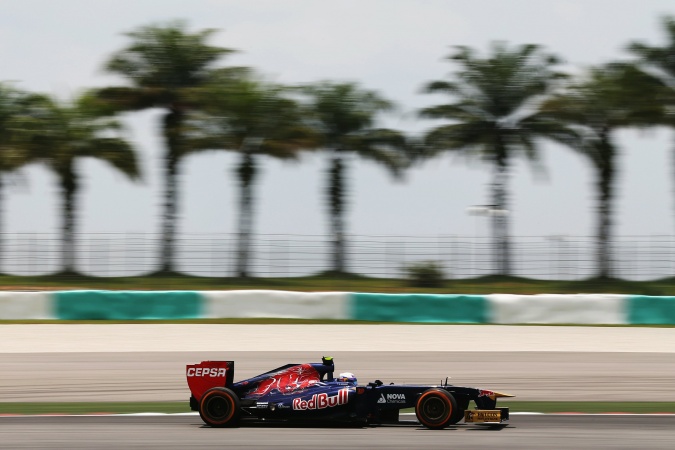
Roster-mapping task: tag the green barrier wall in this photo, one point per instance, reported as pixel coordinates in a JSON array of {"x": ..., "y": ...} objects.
[
  {"x": 645, "y": 309},
  {"x": 127, "y": 305},
  {"x": 419, "y": 308}
]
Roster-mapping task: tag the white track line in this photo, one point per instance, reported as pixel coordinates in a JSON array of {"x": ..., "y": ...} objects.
[{"x": 152, "y": 414}]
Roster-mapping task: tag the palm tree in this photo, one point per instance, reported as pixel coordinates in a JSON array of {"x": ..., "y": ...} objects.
[
  {"x": 494, "y": 117},
  {"x": 659, "y": 62},
  {"x": 17, "y": 109},
  {"x": 611, "y": 97},
  {"x": 343, "y": 117},
  {"x": 254, "y": 119},
  {"x": 165, "y": 65},
  {"x": 61, "y": 136}
]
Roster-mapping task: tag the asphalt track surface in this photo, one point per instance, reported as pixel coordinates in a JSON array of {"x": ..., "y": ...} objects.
[
  {"x": 181, "y": 432},
  {"x": 147, "y": 363},
  {"x": 160, "y": 376}
]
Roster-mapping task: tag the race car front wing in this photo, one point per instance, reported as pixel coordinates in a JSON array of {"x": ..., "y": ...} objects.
[{"x": 497, "y": 415}]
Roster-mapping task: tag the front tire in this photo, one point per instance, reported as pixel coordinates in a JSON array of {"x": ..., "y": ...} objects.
[
  {"x": 436, "y": 409},
  {"x": 220, "y": 407}
]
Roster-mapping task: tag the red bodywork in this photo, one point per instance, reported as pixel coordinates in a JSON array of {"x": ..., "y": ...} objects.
[
  {"x": 287, "y": 381},
  {"x": 208, "y": 374}
]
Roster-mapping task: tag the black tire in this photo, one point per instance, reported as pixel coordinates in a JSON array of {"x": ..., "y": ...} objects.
[
  {"x": 436, "y": 409},
  {"x": 462, "y": 406},
  {"x": 457, "y": 415},
  {"x": 220, "y": 407}
]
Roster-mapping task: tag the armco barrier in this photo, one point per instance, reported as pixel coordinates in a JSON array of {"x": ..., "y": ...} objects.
[
  {"x": 591, "y": 309},
  {"x": 26, "y": 306},
  {"x": 282, "y": 304},
  {"x": 419, "y": 308},
  {"x": 496, "y": 308},
  {"x": 644, "y": 310},
  {"x": 127, "y": 305}
]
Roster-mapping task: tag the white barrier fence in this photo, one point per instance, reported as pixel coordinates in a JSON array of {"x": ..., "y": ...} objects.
[
  {"x": 26, "y": 306},
  {"x": 582, "y": 309},
  {"x": 279, "y": 304},
  {"x": 590, "y": 309}
]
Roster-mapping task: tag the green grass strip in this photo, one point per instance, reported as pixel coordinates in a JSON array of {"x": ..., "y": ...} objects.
[
  {"x": 346, "y": 283},
  {"x": 182, "y": 407}
]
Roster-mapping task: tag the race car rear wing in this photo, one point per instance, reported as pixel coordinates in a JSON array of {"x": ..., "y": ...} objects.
[{"x": 209, "y": 374}]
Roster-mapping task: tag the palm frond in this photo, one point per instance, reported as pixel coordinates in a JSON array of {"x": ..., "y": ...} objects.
[
  {"x": 116, "y": 152},
  {"x": 387, "y": 147},
  {"x": 120, "y": 99},
  {"x": 61, "y": 133},
  {"x": 445, "y": 87},
  {"x": 460, "y": 136},
  {"x": 167, "y": 56},
  {"x": 659, "y": 57}
]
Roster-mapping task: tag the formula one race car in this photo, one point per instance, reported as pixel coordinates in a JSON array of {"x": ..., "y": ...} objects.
[{"x": 310, "y": 392}]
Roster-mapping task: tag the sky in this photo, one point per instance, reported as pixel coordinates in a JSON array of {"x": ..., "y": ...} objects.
[{"x": 392, "y": 46}]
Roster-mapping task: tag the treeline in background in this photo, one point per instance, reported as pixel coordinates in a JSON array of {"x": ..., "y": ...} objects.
[{"x": 501, "y": 105}]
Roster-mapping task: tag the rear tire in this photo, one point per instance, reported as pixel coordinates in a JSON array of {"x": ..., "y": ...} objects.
[
  {"x": 220, "y": 407},
  {"x": 436, "y": 409}
]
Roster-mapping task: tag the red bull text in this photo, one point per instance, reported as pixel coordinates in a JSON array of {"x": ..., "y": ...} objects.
[{"x": 321, "y": 401}]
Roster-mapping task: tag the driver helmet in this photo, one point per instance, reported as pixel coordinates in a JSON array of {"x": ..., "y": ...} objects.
[{"x": 347, "y": 377}]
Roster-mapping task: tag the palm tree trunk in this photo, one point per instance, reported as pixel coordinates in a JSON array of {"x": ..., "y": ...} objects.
[
  {"x": 68, "y": 181},
  {"x": 2, "y": 205},
  {"x": 500, "y": 224},
  {"x": 605, "y": 183},
  {"x": 336, "y": 204},
  {"x": 172, "y": 133},
  {"x": 246, "y": 173},
  {"x": 673, "y": 168},
  {"x": 500, "y": 213}
]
